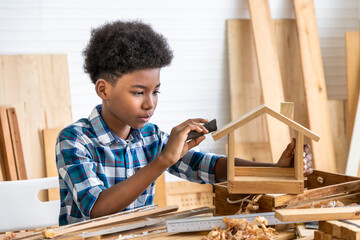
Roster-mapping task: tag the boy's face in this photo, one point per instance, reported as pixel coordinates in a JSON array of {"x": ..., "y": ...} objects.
[{"x": 133, "y": 99}]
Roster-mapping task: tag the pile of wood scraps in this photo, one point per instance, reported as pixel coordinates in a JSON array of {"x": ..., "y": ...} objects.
[
  {"x": 12, "y": 165},
  {"x": 138, "y": 222}
]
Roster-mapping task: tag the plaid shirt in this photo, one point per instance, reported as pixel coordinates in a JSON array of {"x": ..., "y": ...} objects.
[{"x": 90, "y": 158}]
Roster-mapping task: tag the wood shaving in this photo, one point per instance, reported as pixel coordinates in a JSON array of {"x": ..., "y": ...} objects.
[{"x": 241, "y": 229}]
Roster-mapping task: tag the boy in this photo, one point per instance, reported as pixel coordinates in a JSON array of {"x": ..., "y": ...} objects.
[{"x": 109, "y": 162}]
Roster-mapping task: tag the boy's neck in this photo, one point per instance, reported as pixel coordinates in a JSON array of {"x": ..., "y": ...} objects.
[{"x": 117, "y": 127}]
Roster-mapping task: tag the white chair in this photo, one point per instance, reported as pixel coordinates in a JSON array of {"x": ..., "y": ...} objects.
[{"x": 21, "y": 208}]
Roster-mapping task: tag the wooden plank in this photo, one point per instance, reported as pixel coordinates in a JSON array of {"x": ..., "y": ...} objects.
[
  {"x": 269, "y": 72},
  {"x": 6, "y": 148},
  {"x": 259, "y": 185},
  {"x": 264, "y": 171},
  {"x": 299, "y": 157},
  {"x": 322, "y": 179},
  {"x": 16, "y": 142},
  {"x": 42, "y": 101},
  {"x": 287, "y": 109},
  {"x": 50, "y": 136},
  {"x": 318, "y": 193},
  {"x": 315, "y": 88},
  {"x": 339, "y": 123},
  {"x": 331, "y": 227},
  {"x": 71, "y": 228},
  {"x": 353, "y": 161},
  {"x": 352, "y": 48},
  {"x": 317, "y": 214}
]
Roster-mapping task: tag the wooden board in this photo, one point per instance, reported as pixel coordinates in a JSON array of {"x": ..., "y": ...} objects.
[
  {"x": 6, "y": 148},
  {"x": 42, "y": 101},
  {"x": 352, "y": 48},
  {"x": 50, "y": 136},
  {"x": 17, "y": 145},
  {"x": 317, "y": 214},
  {"x": 339, "y": 130},
  {"x": 314, "y": 81},
  {"x": 353, "y": 162},
  {"x": 160, "y": 191},
  {"x": 269, "y": 72}
]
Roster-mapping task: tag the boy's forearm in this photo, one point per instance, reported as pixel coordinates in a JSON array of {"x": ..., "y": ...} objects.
[
  {"x": 221, "y": 166},
  {"x": 121, "y": 195}
]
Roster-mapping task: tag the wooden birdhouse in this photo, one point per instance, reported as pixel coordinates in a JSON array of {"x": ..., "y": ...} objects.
[{"x": 265, "y": 179}]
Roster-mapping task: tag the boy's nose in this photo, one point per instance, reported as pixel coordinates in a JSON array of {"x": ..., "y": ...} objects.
[{"x": 149, "y": 103}]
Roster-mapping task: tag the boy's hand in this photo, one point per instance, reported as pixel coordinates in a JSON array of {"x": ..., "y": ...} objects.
[
  {"x": 287, "y": 158},
  {"x": 177, "y": 146}
]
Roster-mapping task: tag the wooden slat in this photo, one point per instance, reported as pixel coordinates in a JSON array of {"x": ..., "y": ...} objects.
[
  {"x": 314, "y": 80},
  {"x": 42, "y": 101},
  {"x": 264, "y": 171},
  {"x": 317, "y": 214},
  {"x": 352, "y": 48},
  {"x": 50, "y": 136},
  {"x": 299, "y": 157},
  {"x": 259, "y": 185},
  {"x": 16, "y": 142},
  {"x": 6, "y": 148},
  {"x": 269, "y": 72},
  {"x": 231, "y": 157}
]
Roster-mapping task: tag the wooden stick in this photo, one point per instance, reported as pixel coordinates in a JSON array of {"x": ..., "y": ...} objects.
[
  {"x": 299, "y": 157},
  {"x": 317, "y": 214},
  {"x": 231, "y": 157},
  {"x": 269, "y": 72},
  {"x": 6, "y": 147},
  {"x": 315, "y": 88},
  {"x": 16, "y": 142},
  {"x": 264, "y": 171}
]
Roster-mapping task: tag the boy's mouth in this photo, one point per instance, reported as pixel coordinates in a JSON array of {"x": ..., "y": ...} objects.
[{"x": 145, "y": 119}]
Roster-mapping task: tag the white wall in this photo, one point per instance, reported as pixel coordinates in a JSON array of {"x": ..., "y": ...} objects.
[{"x": 196, "y": 84}]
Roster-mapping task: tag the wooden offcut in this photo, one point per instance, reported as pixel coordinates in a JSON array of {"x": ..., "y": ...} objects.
[
  {"x": 314, "y": 81},
  {"x": 6, "y": 147},
  {"x": 16, "y": 142},
  {"x": 269, "y": 72},
  {"x": 42, "y": 101},
  {"x": 352, "y": 48}
]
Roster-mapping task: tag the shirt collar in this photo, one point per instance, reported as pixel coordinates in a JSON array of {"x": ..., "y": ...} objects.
[{"x": 103, "y": 132}]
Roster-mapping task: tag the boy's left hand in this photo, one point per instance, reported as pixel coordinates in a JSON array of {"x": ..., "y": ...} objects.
[{"x": 287, "y": 158}]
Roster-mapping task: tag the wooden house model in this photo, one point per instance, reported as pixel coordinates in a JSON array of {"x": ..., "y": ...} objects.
[{"x": 265, "y": 179}]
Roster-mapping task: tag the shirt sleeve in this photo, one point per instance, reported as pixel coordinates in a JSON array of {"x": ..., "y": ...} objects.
[
  {"x": 195, "y": 166},
  {"x": 77, "y": 171}
]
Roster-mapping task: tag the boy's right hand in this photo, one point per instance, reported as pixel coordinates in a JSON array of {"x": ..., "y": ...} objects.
[{"x": 177, "y": 146}]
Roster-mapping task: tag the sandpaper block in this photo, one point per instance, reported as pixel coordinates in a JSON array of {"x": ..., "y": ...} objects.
[{"x": 210, "y": 126}]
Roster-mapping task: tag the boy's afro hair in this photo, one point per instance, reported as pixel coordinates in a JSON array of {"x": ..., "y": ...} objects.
[{"x": 120, "y": 47}]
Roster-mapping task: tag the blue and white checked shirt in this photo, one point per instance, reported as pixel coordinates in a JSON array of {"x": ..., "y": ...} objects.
[{"x": 90, "y": 158}]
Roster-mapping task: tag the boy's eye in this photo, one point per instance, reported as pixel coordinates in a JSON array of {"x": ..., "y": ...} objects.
[
  {"x": 137, "y": 93},
  {"x": 156, "y": 92}
]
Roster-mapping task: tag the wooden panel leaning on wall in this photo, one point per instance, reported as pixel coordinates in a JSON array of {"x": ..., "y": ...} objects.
[{"x": 37, "y": 86}]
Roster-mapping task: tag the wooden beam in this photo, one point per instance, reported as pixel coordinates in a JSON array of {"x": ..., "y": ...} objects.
[
  {"x": 264, "y": 171},
  {"x": 6, "y": 148},
  {"x": 315, "y": 88},
  {"x": 317, "y": 214},
  {"x": 269, "y": 72},
  {"x": 352, "y": 48},
  {"x": 353, "y": 161},
  {"x": 16, "y": 142}
]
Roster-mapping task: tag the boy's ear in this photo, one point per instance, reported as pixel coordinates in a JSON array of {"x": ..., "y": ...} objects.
[{"x": 102, "y": 88}]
